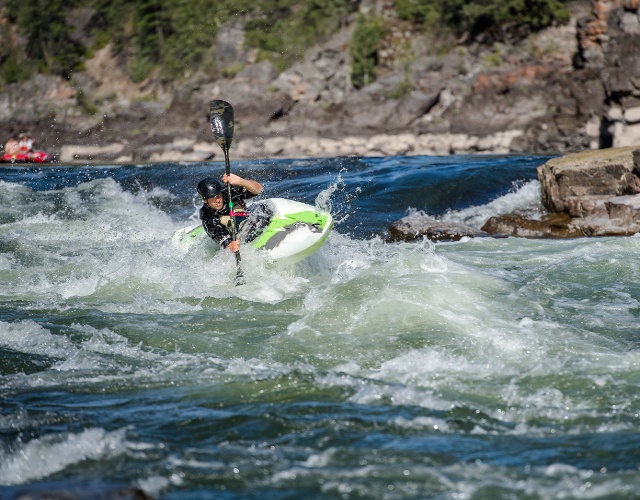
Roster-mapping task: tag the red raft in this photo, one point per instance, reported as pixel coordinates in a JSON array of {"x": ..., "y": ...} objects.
[{"x": 30, "y": 157}]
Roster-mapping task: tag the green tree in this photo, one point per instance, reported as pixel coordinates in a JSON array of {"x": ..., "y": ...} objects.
[
  {"x": 283, "y": 29},
  {"x": 178, "y": 36},
  {"x": 48, "y": 40},
  {"x": 419, "y": 11},
  {"x": 13, "y": 67},
  {"x": 107, "y": 25},
  {"x": 152, "y": 21},
  {"x": 365, "y": 41},
  {"x": 494, "y": 19},
  {"x": 194, "y": 32}
]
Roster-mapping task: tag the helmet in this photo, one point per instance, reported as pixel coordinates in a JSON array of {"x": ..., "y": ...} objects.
[{"x": 209, "y": 188}]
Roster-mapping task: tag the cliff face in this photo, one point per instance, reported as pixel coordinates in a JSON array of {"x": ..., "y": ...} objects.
[{"x": 565, "y": 89}]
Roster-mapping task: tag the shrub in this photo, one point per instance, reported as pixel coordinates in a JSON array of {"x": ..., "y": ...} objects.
[
  {"x": 283, "y": 32},
  {"x": 365, "y": 41},
  {"x": 493, "y": 19},
  {"x": 140, "y": 68}
]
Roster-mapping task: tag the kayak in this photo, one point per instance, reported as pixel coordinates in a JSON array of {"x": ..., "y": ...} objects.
[
  {"x": 30, "y": 157},
  {"x": 285, "y": 229}
]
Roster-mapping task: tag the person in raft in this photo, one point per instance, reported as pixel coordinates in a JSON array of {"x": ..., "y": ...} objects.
[
  {"x": 11, "y": 147},
  {"x": 215, "y": 213},
  {"x": 26, "y": 143}
]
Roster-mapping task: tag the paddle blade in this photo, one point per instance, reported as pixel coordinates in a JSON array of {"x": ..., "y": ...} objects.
[{"x": 222, "y": 123}]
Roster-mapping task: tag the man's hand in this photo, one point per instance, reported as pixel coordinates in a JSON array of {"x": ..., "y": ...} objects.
[
  {"x": 235, "y": 180},
  {"x": 234, "y": 246}
]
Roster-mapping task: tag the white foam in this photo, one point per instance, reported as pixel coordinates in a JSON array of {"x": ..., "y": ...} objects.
[
  {"x": 27, "y": 336},
  {"x": 42, "y": 457},
  {"x": 523, "y": 198}
]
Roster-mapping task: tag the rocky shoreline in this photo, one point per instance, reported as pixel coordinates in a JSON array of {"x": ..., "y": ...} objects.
[
  {"x": 565, "y": 89},
  {"x": 592, "y": 193},
  {"x": 295, "y": 147}
]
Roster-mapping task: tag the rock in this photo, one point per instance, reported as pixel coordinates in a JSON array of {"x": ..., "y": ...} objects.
[
  {"x": 173, "y": 155},
  {"x": 625, "y": 210},
  {"x": 275, "y": 146},
  {"x": 210, "y": 148},
  {"x": 229, "y": 45},
  {"x": 626, "y": 135},
  {"x": 593, "y": 193},
  {"x": 263, "y": 72},
  {"x": 580, "y": 183},
  {"x": 416, "y": 226},
  {"x": 632, "y": 115},
  {"x": 603, "y": 226},
  {"x": 550, "y": 226},
  {"x": 364, "y": 111},
  {"x": 596, "y": 190},
  {"x": 71, "y": 154}
]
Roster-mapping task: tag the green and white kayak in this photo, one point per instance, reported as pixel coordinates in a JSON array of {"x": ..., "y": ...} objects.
[{"x": 285, "y": 229}]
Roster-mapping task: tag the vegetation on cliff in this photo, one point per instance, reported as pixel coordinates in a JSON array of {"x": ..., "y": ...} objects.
[
  {"x": 490, "y": 19},
  {"x": 172, "y": 38}
]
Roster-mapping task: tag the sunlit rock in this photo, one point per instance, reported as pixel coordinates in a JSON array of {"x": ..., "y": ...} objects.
[
  {"x": 551, "y": 226},
  {"x": 580, "y": 183},
  {"x": 414, "y": 227}
]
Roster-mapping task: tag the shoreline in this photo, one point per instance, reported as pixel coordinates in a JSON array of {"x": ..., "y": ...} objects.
[{"x": 296, "y": 147}]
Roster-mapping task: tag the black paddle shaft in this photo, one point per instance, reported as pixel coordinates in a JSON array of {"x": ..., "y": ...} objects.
[{"x": 222, "y": 128}]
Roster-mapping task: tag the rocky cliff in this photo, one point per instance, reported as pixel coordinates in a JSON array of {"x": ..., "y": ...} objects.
[{"x": 565, "y": 89}]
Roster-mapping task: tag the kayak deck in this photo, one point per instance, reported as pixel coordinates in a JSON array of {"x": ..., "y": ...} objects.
[{"x": 285, "y": 229}]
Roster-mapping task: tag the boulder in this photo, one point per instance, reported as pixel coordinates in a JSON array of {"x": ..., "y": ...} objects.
[
  {"x": 367, "y": 111},
  {"x": 70, "y": 153},
  {"x": 551, "y": 226},
  {"x": 416, "y": 226},
  {"x": 593, "y": 193},
  {"x": 580, "y": 183}
]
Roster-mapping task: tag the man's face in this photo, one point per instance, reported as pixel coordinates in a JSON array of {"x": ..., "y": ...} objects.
[{"x": 215, "y": 202}]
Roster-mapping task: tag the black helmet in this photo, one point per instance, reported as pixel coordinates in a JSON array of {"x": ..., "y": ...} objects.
[{"x": 209, "y": 188}]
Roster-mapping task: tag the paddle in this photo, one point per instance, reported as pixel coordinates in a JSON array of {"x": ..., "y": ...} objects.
[{"x": 222, "y": 128}]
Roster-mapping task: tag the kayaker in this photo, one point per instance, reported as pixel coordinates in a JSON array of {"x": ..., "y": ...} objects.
[{"x": 215, "y": 213}]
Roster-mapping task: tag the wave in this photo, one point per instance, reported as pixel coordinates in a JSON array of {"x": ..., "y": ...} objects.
[
  {"x": 524, "y": 199},
  {"x": 48, "y": 455}
]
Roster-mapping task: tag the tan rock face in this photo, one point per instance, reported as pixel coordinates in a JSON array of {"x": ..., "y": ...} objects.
[
  {"x": 579, "y": 183},
  {"x": 103, "y": 68},
  {"x": 597, "y": 189}
]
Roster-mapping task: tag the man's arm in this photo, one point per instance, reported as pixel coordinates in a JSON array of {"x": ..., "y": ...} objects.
[
  {"x": 217, "y": 232},
  {"x": 254, "y": 187}
]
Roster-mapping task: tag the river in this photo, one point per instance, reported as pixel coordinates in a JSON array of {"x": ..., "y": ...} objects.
[{"x": 479, "y": 369}]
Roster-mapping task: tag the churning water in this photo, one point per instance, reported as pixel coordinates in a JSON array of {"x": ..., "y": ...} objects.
[{"x": 481, "y": 369}]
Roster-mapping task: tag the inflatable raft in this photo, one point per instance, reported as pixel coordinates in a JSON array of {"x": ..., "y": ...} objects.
[{"x": 30, "y": 157}]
